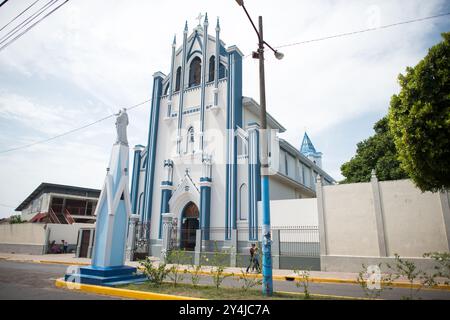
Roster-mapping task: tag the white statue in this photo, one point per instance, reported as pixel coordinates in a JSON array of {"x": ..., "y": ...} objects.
[{"x": 121, "y": 126}]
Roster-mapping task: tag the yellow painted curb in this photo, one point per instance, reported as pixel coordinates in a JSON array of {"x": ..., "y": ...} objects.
[
  {"x": 326, "y": 296},
  {"x": 62, "y": 262},
  {"x": 116, "y": 292}
]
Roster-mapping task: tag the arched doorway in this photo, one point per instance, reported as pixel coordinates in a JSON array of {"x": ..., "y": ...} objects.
[{"x": 189, "y": 224}]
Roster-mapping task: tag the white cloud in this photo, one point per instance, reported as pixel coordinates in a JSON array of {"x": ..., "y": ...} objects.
[{"x": 108, "y": 51}]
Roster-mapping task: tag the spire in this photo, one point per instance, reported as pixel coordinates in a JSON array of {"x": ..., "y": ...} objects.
[
  {"x": 186, "y": 27},
  {"x": 307, "y": 147},
  {"x": 218, "y": 25},
  {"x": 206, "y": 18},
  {"x": 174, "y": 41}
]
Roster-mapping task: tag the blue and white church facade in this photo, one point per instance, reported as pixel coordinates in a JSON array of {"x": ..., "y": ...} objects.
[{"x": 201, "y": 160}]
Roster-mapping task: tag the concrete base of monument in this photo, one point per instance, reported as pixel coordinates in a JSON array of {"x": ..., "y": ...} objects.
[{"x": 110, "y": 276}]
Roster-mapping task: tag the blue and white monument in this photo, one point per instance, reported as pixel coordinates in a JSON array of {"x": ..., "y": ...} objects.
[{"x": 113, "y": 212}]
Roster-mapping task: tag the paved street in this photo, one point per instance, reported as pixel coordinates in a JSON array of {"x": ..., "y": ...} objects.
[
  {"x": 22, "y": 280},
  {"x": 29, "y": 281}
]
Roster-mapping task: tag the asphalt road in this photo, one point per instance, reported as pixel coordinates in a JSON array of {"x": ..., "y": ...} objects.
[{"x": 30, "y": 281}]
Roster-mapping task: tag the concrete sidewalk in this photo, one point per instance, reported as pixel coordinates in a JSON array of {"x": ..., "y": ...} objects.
[{"x": 278, "y": 275}]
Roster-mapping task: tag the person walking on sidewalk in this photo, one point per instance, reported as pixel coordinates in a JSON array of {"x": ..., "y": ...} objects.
[
  {"x": 64, "y": 246},
  {"x": 252, "y": 254},
  {"x": 256, "y": 264}
]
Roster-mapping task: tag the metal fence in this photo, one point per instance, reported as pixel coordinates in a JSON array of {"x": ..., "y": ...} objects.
[
  {"x": 292, "y": 241},
  {"x": 142, "y": 238},
  {"x": 299, "y": 241}
]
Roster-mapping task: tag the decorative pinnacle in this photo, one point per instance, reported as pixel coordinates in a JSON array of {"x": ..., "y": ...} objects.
[
  {"x": 186, "y": 27},
  {"x": 218, "y": 25},
  {"x": 373, "y": 174},
  {"x": 174, "y": 40},
  {"x": 205, "y": 22}
]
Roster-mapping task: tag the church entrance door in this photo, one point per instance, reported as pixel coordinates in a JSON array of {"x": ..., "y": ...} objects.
[{"x": 189, "y": 224}]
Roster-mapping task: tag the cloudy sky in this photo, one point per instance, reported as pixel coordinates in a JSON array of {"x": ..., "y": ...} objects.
[{"x": 90, "y": 58}]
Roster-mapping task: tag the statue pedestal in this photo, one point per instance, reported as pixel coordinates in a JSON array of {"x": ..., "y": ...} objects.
[
  {"x": 113, "y": 212},
  {"x": 109, "y": 276}
]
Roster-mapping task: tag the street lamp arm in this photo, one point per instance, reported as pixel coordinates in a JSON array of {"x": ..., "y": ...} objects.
[
  {"x": 262, "y": 42},
  {"x": 253, "y": 24},
  {"x": 270, "y": 47}
]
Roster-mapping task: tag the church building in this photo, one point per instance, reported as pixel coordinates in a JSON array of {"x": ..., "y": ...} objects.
[{"x": 201, "y": 160}]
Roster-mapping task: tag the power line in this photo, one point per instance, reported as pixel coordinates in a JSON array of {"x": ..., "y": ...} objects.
[
  {"x": 1, "y": 4},
  {"x": 27, "y": 21},
  {"x": 70, "y": 131},
  {"x": 363, "y": 31},
  {"x": 19, "y": 15},
  {"x": 33, "y": 25}
]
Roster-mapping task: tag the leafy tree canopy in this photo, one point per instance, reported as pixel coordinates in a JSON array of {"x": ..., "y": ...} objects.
[
  {"x": 15, "y": 219},
  {"x": 419, "y": 119},
  {"x": 377, "y": 152}
]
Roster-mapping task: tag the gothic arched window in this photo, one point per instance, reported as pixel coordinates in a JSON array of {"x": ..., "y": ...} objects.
[
  {"x": 212, "y": 68},
  {"x": 195, "y": 71},
  {"x": 190, "y": 140},
  {"x": 222, "y": 71},
  {"x": 178, "y": 79},
  {"x": 166, "y": 90}
]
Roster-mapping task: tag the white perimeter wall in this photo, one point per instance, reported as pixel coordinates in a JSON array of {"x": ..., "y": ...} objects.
[
  {"x": 67, "y": 232},
  {"x": 413, "y": 222},
  {"x": 292, "y": 213},
  {"x": 24, "y": 233},
  {"x": 35, "y": 233}
]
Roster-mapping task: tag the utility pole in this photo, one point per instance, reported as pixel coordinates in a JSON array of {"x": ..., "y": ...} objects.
[
  {"x": 267, "y": 285},
  {"x": 267, "y": 239}
]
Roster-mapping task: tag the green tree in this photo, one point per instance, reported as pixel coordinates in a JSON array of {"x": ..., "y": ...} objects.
[
  {"x": 377, "y": 152},
  {"x": 419, "y": 119},
  {"x": 16, "y": 219}
]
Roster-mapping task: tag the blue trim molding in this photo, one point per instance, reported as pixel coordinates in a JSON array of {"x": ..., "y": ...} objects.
[
  {"x": 166, "y": 194},
  {"x": 135, "y": 178},
  {"x": 234, "y": 119},
  {"x": 182, "y": 86},
  {"x": 205, "y": 209},
  {"x": 151, "y": 147},
  {"x": 203, "y": 82}
]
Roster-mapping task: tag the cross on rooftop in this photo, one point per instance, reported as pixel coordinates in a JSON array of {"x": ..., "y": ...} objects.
[{"x": 199, "y": 18}]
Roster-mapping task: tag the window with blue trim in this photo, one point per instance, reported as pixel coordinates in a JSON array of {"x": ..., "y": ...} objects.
[
  {"x": 178, "y": 79},
  {"x": 166, "y": 90},
  {"x": 222, "y": 71},
  {"x": 190, "y": 140},
  {"x": 212, "y": 68},
  {"x": 195, "y": 71}
]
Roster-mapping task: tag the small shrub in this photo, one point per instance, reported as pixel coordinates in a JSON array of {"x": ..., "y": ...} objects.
[
  {"x": 195, "y": 274},
  {"x": 303, "y": 282},
  {"x": 249, "y": 281},
  {"x": 155, "y": 275},
  {"x": 218, "y": 268},
  {"x": 407, "y": 269},
  {"x": 442, "y": 269},
  {"x": 176, "y": 258}
]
